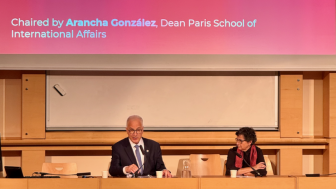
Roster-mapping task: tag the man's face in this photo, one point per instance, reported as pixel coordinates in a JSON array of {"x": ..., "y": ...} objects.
[{"x": 134, "y": 130}]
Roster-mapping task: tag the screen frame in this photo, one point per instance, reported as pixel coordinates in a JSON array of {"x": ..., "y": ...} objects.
[{"x": 145, "y": 62}]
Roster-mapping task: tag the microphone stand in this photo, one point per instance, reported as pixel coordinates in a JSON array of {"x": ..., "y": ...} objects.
[
  {"x": 136, "y": 174},
  {"x": 76, "y": 174},
  {"x": 256, "y": 172}
]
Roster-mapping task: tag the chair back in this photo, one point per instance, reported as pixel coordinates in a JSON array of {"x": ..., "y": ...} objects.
[
  {"x": 269, "y": 167},
  {"x": 224, "y": 168},
  {"x": 108, "y": 169},
  {"x": 205, "y": 165},
  {"x": 59, "y": 168}
]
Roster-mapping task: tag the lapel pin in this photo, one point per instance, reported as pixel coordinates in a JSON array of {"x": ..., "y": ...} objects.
[{"x": 147, "y": 150}]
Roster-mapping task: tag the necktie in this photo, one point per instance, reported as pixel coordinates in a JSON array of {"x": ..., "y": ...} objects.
[{"x": 137, "y": 153}]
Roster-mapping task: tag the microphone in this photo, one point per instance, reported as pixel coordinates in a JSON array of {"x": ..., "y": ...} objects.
[
  {"x": 136, "y": 174},
  {"x": 142, "y": 151},
  {"x": 240, "y": 156},
  {"x": 77, "y": 174},
  {"x": 84, "y": 173},
  {"x": 41, "y": 173},
  {"x": 317, "y": 175}
]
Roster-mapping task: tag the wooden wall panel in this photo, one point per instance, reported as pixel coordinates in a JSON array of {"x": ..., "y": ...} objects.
[
  {"x": 291, "y": 105},
  {"x": 329, "y": 157},
  {"x": 326, "y": 81},
  {"x": 12, "y": 107},
  {"x": 10, "y": 102},
  {"x": 332, "y": 105},
  {"x": 318, "y": 107},
  {"x": 2, "y": 106},
  {"x": 329, "y": 105},
  {"x": 318, "y": 163},
  {"x": 313, "y": 104},
  {"x": 308, "y": 108},
  {"x": 290, "y": 161},
  {"x": 32, "y": 161},
  {"x": 33, "y": 105}
]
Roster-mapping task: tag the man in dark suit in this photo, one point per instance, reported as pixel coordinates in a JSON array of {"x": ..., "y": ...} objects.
[{"x": 127, "y": 156}]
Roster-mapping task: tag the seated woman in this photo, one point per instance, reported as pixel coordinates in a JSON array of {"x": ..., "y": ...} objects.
[{"x": 246, "y": 147}]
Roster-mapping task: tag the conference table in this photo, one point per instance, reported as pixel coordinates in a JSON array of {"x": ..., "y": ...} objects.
[{"x": 207, "y": 182}]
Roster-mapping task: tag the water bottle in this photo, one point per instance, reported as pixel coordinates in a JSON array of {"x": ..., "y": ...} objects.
[{"x": 186, "y": 172}]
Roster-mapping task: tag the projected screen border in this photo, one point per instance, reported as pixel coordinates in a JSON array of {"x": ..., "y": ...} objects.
[
  {"x": 274, "y": 127},
  {"x": 235, "y": 128},
  {"x": 173, "y": 62}
]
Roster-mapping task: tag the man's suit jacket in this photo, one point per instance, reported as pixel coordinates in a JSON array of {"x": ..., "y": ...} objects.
[{"x": 123, "y": 155}]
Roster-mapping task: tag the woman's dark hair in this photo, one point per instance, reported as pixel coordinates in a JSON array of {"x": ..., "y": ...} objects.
[{"x": 248, "y": 134}]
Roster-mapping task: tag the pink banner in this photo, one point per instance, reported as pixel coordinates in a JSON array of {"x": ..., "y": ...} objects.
[{"x": 167, "y": 27}]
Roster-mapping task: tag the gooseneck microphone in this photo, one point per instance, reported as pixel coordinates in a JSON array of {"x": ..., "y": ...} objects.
[
  {"x": 142, "y": 151},
  {"x": 240, "y": 156},
  {"x": 76, "y": 174}
]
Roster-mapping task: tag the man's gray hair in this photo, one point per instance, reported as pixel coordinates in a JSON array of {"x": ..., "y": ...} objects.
[{"x": 134, "y": 117}]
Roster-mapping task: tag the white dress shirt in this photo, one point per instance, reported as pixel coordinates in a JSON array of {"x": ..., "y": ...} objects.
[{"x": 142, "y": 156}]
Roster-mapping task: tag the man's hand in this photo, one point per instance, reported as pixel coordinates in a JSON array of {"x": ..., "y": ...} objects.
[
  {"x": 166, "y": 173},
  {"x": 260, "y": 165},
  {"x": 131, "y": 169}
]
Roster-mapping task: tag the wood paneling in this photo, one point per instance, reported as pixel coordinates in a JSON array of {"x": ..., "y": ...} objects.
[
  {"x": 10, "y": 102},
  {"x": 318, "y": 163},
  {"x": 63, "y": 183},
  {"x": 332, "y": 105},
  {"x": 13, "y": 183},
  {"x": 329, "y": 105},
  {"x": 329, "y": 157},
  {"x": 312, "y": 104},
  {"x": 17, "y": 74},
  {"x": 252, "y": 183},
  {"x": 10, "y": 74},
  {"x": 318, "y": 107},
  {"x": 308, "y": 108},
  {"x": 315, "y": 75},
  {"x": 2, "y": 107},
  {"x": 267, "y": 149},
  {"x": 118, "y": 183},
  {"x": 291, "y": 105},
  {"x": 290, "y": 161},
  {"x": 32, "y": 161},
  {"x": 326, "y": 88},
  {"x": 163, "y": 141},
  {"x": 33, "y": 106},
  {"x": 316, "y": 182},
  {"x": 12, "y": 107}
]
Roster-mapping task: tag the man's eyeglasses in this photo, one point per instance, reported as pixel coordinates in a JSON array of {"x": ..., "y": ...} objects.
[
  {"x": 138, "y": 131},
  {"x": 240, "y": 140}
]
